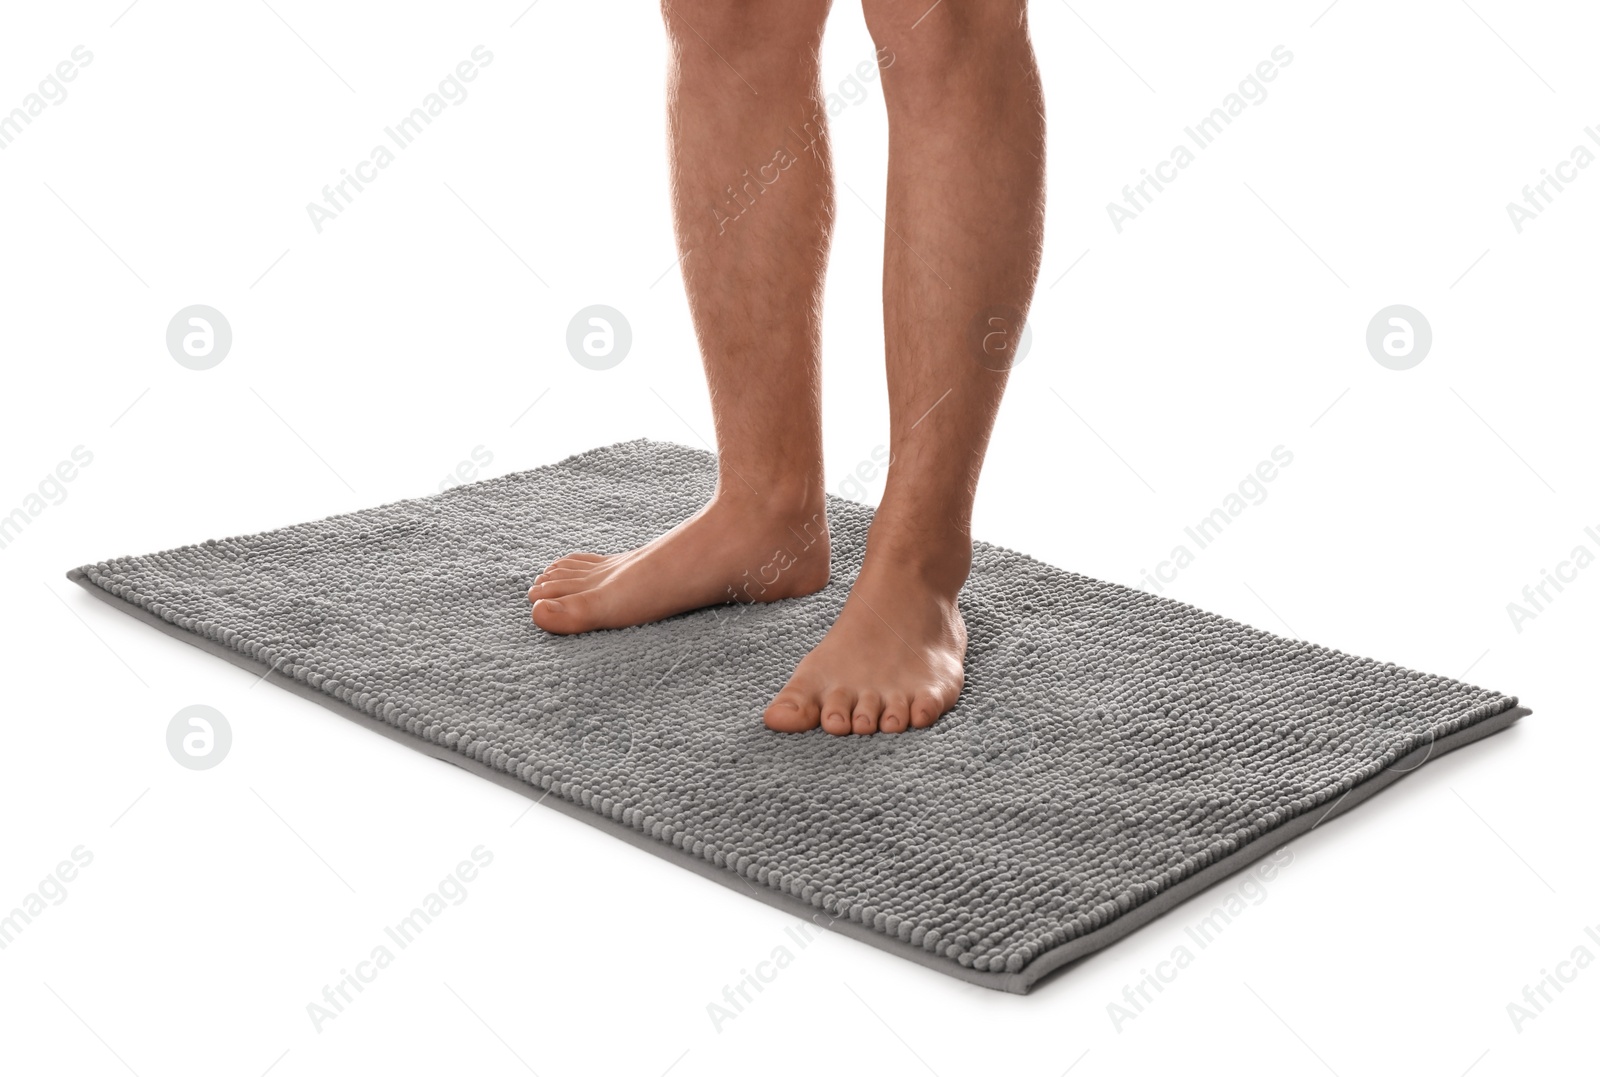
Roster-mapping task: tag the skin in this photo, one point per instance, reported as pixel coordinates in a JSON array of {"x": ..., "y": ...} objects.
[{"x": 965, "y": 217}]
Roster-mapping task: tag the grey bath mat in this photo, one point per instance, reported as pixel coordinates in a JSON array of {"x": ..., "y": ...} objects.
[{"x": 1112, "y": 753}]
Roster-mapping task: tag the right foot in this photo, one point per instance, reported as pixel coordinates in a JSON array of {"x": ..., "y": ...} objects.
[{"x": 736, "y": 549}]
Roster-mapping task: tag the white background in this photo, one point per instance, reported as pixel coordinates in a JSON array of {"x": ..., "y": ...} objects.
[{"x": 370, "y": 359}]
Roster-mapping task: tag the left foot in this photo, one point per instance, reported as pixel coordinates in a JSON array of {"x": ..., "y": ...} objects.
[{"x": 892, "y": 661}]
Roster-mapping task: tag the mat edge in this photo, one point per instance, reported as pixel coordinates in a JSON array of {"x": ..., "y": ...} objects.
[{"x": 1018, "y": 983}]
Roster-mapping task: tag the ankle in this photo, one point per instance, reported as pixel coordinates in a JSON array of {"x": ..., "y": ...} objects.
[
  {"x": 774, "y": 496},
  {"x": 786, "y": 534},
  {"x": 937, "y": 555}
]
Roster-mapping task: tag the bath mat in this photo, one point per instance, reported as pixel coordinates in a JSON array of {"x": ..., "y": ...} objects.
[{"x": 1112, "y": 753}]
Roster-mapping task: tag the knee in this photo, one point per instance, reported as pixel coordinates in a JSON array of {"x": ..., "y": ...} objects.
[
  {"x": 919, "y": 40},
  {"x": 746, "y": 27}
]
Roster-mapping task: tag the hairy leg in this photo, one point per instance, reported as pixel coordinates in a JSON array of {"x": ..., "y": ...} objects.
[
  {"x": 752, "y": 192},
  {"x": 965, "y": 217}
]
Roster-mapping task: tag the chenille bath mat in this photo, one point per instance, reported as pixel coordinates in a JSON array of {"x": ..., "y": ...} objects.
[{"x": 1112, "y": 753}]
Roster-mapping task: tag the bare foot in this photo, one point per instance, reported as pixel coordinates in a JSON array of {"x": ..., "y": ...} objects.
[
  {"x": 892, "y": 661},
  {"x": 736, "y": 549}
]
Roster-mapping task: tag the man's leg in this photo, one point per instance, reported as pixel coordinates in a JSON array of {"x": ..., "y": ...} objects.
[
  {"x": 752, "y": 192},
  {"x": 965, "y": 222}
]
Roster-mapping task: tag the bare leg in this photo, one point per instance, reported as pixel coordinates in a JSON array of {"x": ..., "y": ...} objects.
[
  {"x": 753, "y": 202},
  {"x": 965, "y": 221}
]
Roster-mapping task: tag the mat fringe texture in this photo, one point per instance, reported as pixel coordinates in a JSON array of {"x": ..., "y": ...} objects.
[{"x": 1112, "y": 752}]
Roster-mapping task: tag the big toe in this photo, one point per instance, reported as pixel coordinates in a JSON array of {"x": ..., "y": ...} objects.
[
  {"x": 791, "y": 712},
  {"x": 567, "y": 615}
]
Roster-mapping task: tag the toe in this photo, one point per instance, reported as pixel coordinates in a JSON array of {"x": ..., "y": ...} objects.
[
  {"x": 542, "y": 582},
  {"x": 576, "y": 560},
  {"x": 896, "y": 713},
  {"x": 925, "y": 710},
  {"x": 556, "y": 588},
  {"x": 567, "y": 615},
  {"x": 837, "y": 708},
  {"x": 563, "y": 573},
  {"x": 791, "y": 712},
  {"x": 867, "y": 711}
]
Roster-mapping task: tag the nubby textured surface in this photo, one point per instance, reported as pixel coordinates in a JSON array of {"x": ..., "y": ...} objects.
[{"x": 1112, "y": 751}]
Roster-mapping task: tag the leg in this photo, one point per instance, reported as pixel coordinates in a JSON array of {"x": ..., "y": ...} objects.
[
  {"x": 752, "y": 190},
  {"x": 965, "y": 221}
]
